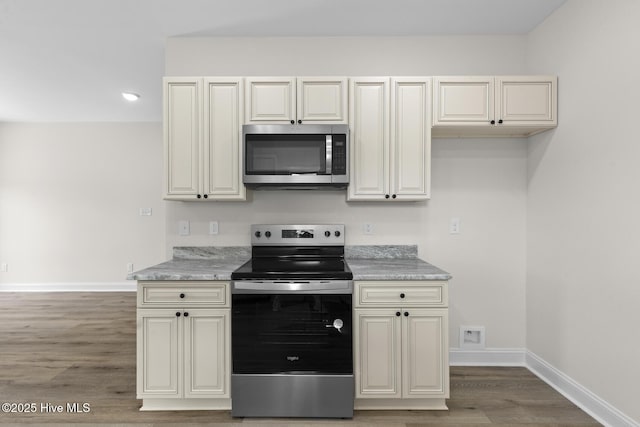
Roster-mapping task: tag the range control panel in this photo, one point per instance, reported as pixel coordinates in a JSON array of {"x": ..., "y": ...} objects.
[{"x": 297, "y": 235}]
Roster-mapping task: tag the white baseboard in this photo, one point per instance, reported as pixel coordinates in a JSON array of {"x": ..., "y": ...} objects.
[
  {"x": 487, "y": 357},
  {"x": 593, "y": 405},
  {"x": 128, "y": 286}
]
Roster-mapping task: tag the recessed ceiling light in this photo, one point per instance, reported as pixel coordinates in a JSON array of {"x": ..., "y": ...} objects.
[{"x": 130, "y": 96}]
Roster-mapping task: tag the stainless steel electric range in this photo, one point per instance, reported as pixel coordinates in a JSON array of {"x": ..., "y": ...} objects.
[{"x": 291, "y": 325}]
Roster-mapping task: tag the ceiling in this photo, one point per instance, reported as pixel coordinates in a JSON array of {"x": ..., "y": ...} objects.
[{"x": 70, "y": 60}]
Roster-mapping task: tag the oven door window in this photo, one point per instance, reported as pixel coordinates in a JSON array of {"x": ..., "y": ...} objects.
[
  {"x": 291, "y": 334},
  {"x": 285, "y": 154}
]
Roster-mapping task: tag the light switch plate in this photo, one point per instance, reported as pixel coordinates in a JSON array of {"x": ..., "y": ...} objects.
[{"x": 454, "y": 226}]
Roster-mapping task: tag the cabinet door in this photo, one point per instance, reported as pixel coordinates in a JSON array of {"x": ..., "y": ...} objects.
[
  {"x": 270, "y": 100},
  {"x": 206, "y": 342},
  {"x": 463, "y": 101},
  {"x": 526, "y": 100},
  {"x": 158, "y": 353},
  {"x": 410, "y": 138},
  {"x": 322, "y": 100},
  {"x": 425, "y": 353},
  {"x": 182, "y": 136},
  {"x": 369, "y": 149},
  {"x": 223, "y": 100},
  {"x": 378, "y": 358}
]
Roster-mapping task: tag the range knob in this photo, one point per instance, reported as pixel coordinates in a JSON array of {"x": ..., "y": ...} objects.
[
  {"x": 327, "y": 233},
  {"x": 258, "y": 234},
  {"x": 337, "y": 233},
  {"x": 267, "y": 234}
]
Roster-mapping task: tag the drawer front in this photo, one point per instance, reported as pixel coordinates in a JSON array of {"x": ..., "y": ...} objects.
[
  {"x": 183, "y": 294},
  {"x": 401, "y": 294}
]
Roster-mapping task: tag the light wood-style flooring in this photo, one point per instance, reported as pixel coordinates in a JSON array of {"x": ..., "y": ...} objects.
[{"x": 59, "y": 348}]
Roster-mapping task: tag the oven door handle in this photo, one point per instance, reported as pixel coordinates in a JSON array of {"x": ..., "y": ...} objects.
[{"x": 277, "y": 286}]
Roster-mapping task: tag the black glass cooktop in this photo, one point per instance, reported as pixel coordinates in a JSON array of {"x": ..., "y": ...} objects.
[{"x": 299, "y": 264}]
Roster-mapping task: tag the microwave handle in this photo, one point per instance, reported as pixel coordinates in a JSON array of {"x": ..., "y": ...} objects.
[{"x": 329, "y": 153}]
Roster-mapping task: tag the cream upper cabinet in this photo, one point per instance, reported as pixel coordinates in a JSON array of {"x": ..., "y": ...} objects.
[
  {"x": 526, "y": 100},
  {"x": 270, "y": 100},
  {"x": 463, "y": 101},
  {"x": 494, "y": 106},
  {"x": 182, "y": 123},
  {"x": 299, "y": 100},
  {"x": 202, "y": 138},
  {"x": 322, "y": 100},
  {"x": 401, "y": 345},
  {"x": 390, "y": 124},
  {"x": 222, "y": 142}
]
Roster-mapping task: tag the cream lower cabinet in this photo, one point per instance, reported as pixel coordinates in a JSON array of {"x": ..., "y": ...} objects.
[
  {"x": 202, "y": 138},
  {"x": 183, "y": 350},
  {"x": 401, "y": 345},
  {"x": 390, "y": 149}
]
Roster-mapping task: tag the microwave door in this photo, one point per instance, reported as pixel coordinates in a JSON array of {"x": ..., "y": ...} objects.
[{"x": 286, "y": 155}]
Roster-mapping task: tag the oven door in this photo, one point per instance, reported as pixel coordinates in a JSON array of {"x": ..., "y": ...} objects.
[{"x": 299, "y": 332}]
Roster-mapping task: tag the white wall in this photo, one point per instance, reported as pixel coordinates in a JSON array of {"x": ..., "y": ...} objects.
[
  {"x": 583, "y": 285},
  {"x": 69, "y": 201},
  {"x": 481, "y": 181}
]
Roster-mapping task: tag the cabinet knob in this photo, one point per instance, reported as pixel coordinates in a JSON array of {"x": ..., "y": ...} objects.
[
  {"x": 493, "y": 122},
  {"x": 177, "y": 314},
  {"x": 398, "y": 313},
  {"x": 293, "y": 122},
  {"x": 181, "y": 295},
  {"x": 394, "y": 196},
  {"x": 206, "y": 196},
  {"x": 186, "y": 314},
  {"x": 299, "y": 121},
  {"x": 386, "y": 196},
  {"x": 401, "y": 295},
  {"x": 500, "y": 121},
  {"x": 199, "y": 196},
  {"x": 406, "y": 314}
]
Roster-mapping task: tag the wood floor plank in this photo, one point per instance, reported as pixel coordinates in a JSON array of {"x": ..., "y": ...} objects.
[{"x": 61, "y": 348}]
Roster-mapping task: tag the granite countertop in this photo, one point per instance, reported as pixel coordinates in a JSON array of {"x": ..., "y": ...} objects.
[
  {"x": 391, "y": 262},
  {"x": 382, "y": 262},
  {"x": 197, "y": 263}
]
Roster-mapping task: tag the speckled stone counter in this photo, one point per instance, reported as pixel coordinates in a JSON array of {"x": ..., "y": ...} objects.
[
  {"x": 197, "y": 263},
  {"x": 389, "y": 262},
  {"x": 379, "y": 262}
]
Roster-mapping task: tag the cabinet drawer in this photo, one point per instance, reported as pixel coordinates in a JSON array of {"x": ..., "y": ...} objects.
[
  {"x": 401, "y": 293},
  {"x": 183, "y": 294}
]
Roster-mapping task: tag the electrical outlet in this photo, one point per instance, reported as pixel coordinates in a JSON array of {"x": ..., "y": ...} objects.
[
  {"x": 4, "y": 267},
  {"x": 146, "y": 211},
  {"x": 368, "y": 228},
  {"x": 213, "y": 227},
  {"x": 129, "y": 267},
  {"x": 183, "y": 228}
]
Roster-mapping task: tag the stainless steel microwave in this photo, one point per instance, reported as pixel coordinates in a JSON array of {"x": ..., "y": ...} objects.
[{"x": 296, "y": 156}]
